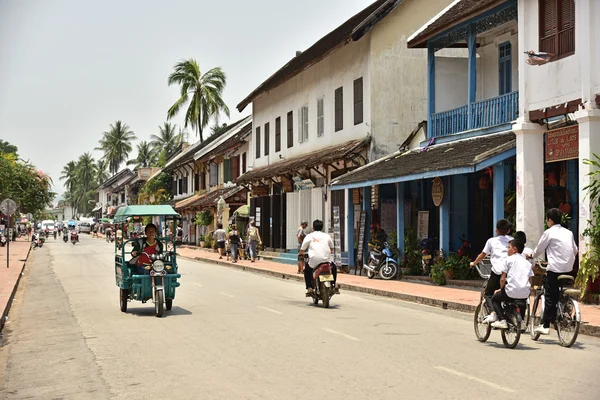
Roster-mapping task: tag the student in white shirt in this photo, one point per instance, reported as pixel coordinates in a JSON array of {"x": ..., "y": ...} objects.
[
  {"x": 515, "y": 283},
  {"x": 561, "y": 250},
  {"x": 497, "y": 248}
]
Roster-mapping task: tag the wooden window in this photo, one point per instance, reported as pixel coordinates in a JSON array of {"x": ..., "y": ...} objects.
[
  {"x": 320, "y": 117},
  {"x": 185, "y": 184},
  {"x": 258, "y": 142},
  {"x": 277, "y": 134},
  {"x": 235, "y": 167},
  {"x": 267, "y": 129},
  {"x": 227, "y": 170},
  {"x": 505, "y": 68},
  {"x": 174, "y": 187},
  {"x": 339, "y": 109},
  {"x": 244, "y": 163},
  {"x": 180, "y": 186},
  {"x": 290, "y": 129},
  {"x": 196, "y": 182},
  {"x": 203, "y": 180},
  {"x": 214, "y": 174},
  {"x": 557, "y": 27},
  {"x": 303, "y": 124},
  {"x": 358, "y": 101}
]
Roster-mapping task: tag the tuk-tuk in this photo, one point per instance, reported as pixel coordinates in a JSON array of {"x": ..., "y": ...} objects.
[{"x": 155, "y": 280}]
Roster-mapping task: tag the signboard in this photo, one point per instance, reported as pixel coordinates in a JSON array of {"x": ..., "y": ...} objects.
[
  {"x": 355, "y": 196},
  {"x": 337, "y": 237},
  {"x": 437, "y": 191},
  {"x": 8, "y": 206},
  {"x": 260, "y": 190},
  {"x": 562, "y": 144},
  {"x": 361, "y": 238},
  {"x": 257, "y": 217},
  {"x": 423, "y": 225},
  {"x": 303, "y": 184}
]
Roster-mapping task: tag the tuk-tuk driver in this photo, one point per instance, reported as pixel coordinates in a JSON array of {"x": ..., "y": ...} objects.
[{"x": 148, "y": 245}]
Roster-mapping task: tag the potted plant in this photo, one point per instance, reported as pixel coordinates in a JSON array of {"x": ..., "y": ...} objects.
[
  {"x": 437, "y": 269},
  {"x": 201, "y": 241},
  {"x": 411, "y": 262},
  {"x": 208, "y": 241}
]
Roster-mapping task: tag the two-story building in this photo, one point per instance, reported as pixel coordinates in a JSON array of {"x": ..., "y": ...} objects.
[{"x": 353, "y": 96}]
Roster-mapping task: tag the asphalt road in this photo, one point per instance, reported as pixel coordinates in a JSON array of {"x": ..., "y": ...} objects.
[{"x": 237, "y": 335}]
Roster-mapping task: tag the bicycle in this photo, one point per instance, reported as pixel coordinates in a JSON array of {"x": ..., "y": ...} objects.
[
  {"x": 512, "y": 312},
  {"x": 568, "y": 313}
]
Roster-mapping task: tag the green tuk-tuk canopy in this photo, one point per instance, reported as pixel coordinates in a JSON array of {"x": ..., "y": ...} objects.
[
  {"x": 243, "y": 211},
  {"x": 144, "y": 211}
]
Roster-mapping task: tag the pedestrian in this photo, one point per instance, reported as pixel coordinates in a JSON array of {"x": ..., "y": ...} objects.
[
  {"x": 220, "y": 235},
  {"x": 253, "y": 240},
  {"x": 559, "y": 245},
  {"x": 234, "y": 243},
  {"x": 301, "y": 234}
]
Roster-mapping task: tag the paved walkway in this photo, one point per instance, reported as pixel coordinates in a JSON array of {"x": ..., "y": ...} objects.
[
  {"x": 440, "y": 296},
  {"x": 9, "y": 277}
]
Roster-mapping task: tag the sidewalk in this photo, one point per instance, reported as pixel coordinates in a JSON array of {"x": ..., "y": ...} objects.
[
  {"x": 465, "y": 300},
  {"x": 9, "y": 277}
]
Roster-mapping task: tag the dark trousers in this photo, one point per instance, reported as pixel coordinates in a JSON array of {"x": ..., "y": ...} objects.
[
  {"x": 233, "y": 247},
  {"x": 552, "y": 294},
  {"x": 308, "y": 275},
  {"x": 492, "y": 285},
  {"x": 497, "y": 300}
]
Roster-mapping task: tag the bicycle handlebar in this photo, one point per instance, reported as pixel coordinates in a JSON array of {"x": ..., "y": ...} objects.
[{"x": 481, "y": 274}]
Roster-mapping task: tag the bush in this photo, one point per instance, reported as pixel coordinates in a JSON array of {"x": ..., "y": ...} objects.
[
  {"x": 437, "y": 270},
  {"x": 208, "y": 241}
]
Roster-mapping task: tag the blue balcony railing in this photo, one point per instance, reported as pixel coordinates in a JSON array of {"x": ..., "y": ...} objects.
[{"x": 481, "y": 114}]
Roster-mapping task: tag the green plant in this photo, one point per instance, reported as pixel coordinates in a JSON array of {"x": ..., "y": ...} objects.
[
  {"x": 589, "y": 266},
  {"x": 437, "y": 270},
  {"x": 203, "y": 218},
  {"x": 458, "y": 265},
  {"x": 208, "y": 241},
  {"x": 201, "y": 238},
  {"x": 412, "y": 252}
]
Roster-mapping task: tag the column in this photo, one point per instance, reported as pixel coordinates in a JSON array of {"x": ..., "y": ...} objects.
[
  {"x": 530, "y": 179},
  {"x": 445, "y": 218},
  {"x": 589, "y": 143},
  {"x": 430, "y": 87},
  {"x": 350, "y": 227},
  {"x": 366, "y": 207},
  {"x": 498, "y": 195},
  {"x": 400, "y": 219},
  {"x": 472, "y": 90}
]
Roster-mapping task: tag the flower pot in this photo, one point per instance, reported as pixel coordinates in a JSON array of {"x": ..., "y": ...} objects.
[
  {"x": 202, "y": 243},
  {"x": 448, "y": 275}
]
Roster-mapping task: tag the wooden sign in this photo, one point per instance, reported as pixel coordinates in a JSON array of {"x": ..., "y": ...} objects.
[
  {"x": 337, "y": 237},
  {"x": 260, "y": 190},
  {"x": 437, "y": 191},
  {"x": 562, "y": 144},
  {"x": 361, "y": 239},
  {"x": 355, "y": 196}
]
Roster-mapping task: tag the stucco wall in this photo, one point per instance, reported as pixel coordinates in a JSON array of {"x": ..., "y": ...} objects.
[
  {"x": 451, "y": 83},
  {"x": 487, "y": 64},
  {"x": 340, "y": 68},
  {"x": 399, "y": 75}
]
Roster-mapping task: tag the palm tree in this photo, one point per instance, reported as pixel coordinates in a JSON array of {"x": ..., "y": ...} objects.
[
  {"x": 116, "y": 145},
  {"x": 204, "y": 93},
  {"x": 168, "y": 139},
  {"x": 146, "y": 156},
  {"x": 86, "y": 175},
  {"x": 69, "y": 175},
  {"x": 216, "y": 129},
  {"x": 101, "y": 171}
]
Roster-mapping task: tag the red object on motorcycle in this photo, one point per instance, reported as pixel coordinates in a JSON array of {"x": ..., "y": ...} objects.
[{"x": 322, "y": 268}]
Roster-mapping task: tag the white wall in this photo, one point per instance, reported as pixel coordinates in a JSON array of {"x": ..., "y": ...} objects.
[
  {"x": 340, "y": 68},
  {"x": 451, "y": 83},
  {"x": 488, "y": 67}
]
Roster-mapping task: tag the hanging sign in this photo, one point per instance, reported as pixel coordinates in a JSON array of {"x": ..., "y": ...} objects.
[
  {"x": 437, "y": 191},
  {"x": 562, "y": 144},
  {"x": 423, "y": 225},
  {"x": 361, "y": 238},
  {"x": 337, "y": 237}
]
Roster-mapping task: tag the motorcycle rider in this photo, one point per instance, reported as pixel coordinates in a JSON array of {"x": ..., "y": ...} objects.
[
  {"x": 319, "y": 246},
  {"x": 148, "y": 245}
]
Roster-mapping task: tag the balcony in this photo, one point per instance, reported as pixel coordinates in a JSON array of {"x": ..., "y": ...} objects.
[{"x": 478, "y": 115}]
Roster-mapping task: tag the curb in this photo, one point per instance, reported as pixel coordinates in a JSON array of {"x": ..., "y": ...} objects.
[
  {"x": 584, "y": 329},
  {"x": 14, "y": 292}
]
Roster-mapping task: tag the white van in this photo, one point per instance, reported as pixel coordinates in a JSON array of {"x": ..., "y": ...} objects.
[
  {"x": 48, "y": 223},
  {"x": 85, "y": 227}
]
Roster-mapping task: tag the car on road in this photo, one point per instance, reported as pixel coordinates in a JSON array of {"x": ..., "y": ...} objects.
[{"x": 85, "y": 227}]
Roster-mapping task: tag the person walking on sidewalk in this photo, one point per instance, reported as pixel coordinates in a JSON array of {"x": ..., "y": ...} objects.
[
  {"x": 561, "y": 250},
  {"x": 234, "y": 243},
  {"x": 253, "y": 240},
  {"x": 497, "y": 248},
  {"x": 301, "y": 234},
  {"x": 220, "y": 235}
]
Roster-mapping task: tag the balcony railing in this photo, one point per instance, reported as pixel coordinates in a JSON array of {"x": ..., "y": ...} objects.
[{"x": 481, "y": 114}]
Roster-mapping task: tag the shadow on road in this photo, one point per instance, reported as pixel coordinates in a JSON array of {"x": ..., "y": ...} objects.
[{"x": 149, "y": 312}]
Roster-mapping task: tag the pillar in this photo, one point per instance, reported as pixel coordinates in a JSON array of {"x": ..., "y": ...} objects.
[
  {"x": 472, "y": 65},
  {"x": 445, "y": 218},
  {"x": 400, "y": 219},
  {"x": 498, "y": 207},
  {"x": 589, "y": 143},
  {"x": 350, "y": 227},
  {"x": 430, "y": 87},
  {"x": 366, "y": 207},
  {"x": 530, "y": 179}
]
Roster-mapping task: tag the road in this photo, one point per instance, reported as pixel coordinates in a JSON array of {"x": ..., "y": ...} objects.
[{"x": 237, "y": 335}]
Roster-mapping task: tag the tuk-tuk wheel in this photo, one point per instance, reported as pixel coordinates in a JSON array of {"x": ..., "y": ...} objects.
[
  {"x": 169, "y": 303},
  {"x": 158, "y": 304},
  {"x": 123, "y": 296}
]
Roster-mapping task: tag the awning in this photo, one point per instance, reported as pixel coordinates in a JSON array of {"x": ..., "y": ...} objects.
[
  {"x": 228, "y": 195},
  {"x": 188, "y": 202},
  {"x": 458, "y": 157}
]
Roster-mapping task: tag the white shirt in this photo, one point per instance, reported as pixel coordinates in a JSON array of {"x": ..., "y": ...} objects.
[
  {"x": 528, "y": 252},
  {"x": 497, "y": 249},
  {"x": 319, "y": 245},
  {"x": 518, "y": 270},
  {"x": 560, "y": 247}
]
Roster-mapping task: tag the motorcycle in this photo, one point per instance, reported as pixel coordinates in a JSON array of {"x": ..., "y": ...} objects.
[
  {"x": 37, "y": 241},
  {"x": 381, "y": 262},
  {"x": 427, "y": 253},
  {"x": 65, "y": 236},
  {"x": 54, "y": 233},
  {"x": 2, "y": 240},
  {"x": 323, "y": 288},
  {"x": 109, "y": 236},
  {"x": 74, "y": 237}
]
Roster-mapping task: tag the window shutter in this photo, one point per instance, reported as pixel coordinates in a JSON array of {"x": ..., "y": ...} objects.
[
  {"x": 320, "y": 117},
  {"x": 339, "y": 109},
  {"x": 305, "y": 123},
  {"x": 290, "y": 129},
  {"x": 358, "y": 101},
  {"x": 196, "y": 182},
  {"x": 235, "y": 167},
  {"x": 277, "y": 134},
  {"x": 180, "y": 184},
  {"x": 203, "y": 180},
  {"x": 300, "y": 137},
  {"x": 267, "y": 129},
  {"x": 227, "y": 170},
  {"x": 258, "y": 142},
  {"x": 185, "y": 184},
  {"x": 244, "y": 163},
  {"x": 174, "y": 187}
]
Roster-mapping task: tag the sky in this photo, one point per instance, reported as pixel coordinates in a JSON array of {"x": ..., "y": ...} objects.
[{"x": 70, "y": 68}]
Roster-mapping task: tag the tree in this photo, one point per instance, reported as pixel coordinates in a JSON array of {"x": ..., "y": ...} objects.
[
  {"x": 86, "y": 176},
  {"x": 7, "y": 148},
  {"x": 146, "y": 156},
  {"x": 156, "y": 190},
  {"x": 69, "y": 175},
  {"x": 101, "y": 171},
  {"x": 217, "y": 129},
  {"x": 116, "y": 145},
  {"x": 168, "y": 140},
  {"x": 204, "y": 93}
]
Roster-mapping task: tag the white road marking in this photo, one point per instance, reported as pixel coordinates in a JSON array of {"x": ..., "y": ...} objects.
[
  {"x": 270, "y": 310},
  {"x": 341, "y": 334},
  {"x": 197, "y": 284},
  {"x": 475, "y": 379},
  {"x": 226, "y": 294}
]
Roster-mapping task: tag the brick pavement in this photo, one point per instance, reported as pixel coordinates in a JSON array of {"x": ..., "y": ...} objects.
[{"x": 9, "y": 277}]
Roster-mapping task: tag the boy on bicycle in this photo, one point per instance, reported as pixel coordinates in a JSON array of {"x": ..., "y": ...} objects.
[
  {"x": 515, "y": 282},
  {"x": 561, "y": 250},
  {"x": 497, "y": 248}
]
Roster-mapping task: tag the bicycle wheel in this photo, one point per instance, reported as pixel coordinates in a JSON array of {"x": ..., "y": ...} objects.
[
  {"x": 482, "y": 331},
  {"x": 511, "y": 336},
  {"x": 567, "y": 325},
  {"x": 525, "y": 323},
  {"x": 536, "y": 316}
]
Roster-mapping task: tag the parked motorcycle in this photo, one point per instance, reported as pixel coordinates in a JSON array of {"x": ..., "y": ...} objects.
[
  {"x": 74, "y": 237},
  {"x": 2, "y": 240},
  {"x": 381, "y": 262},
  {"x": 37, "y": 240},
  {"x": 323, "y": 288},
  {"x": 427, "y": 253}
]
